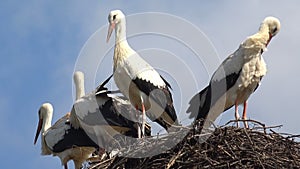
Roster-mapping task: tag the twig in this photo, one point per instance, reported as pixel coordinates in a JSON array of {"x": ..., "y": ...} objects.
[{"x": 173, "y": 159}]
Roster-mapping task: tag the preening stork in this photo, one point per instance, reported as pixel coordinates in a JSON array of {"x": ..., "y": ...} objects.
[
  {"x": 105, "y": 116},
  {"x": 137, "y": 80},
  {"x": 61, "y": 139},
  {"x": 237, "y": 77}
]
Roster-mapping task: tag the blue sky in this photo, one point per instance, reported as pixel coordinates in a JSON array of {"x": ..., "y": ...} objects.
[{"x": 41, "y": 41}]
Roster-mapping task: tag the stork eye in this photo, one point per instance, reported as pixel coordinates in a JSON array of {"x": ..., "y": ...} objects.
[
  {"x": 114, "y": 17},
  {"x": 275, "y": 30}
]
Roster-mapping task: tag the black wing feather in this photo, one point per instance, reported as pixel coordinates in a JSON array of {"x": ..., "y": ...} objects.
[
  {"x": 113, "y": 112},
  {"x": 101, "y": 86},
  {"x": 74, "y": 137},
  {"x": 162, "y": 96},
  {"x": 201, "y": 103}
]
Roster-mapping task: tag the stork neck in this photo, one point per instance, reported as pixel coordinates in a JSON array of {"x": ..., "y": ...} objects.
[
  {"x": 264, "y": 31},
  {"x": 122, "y": 49},
  {"x": 120, "y": 32},
  {"x": 262, "y": 37},
  {"x": 264, "y": 28},
  {"x": 79, "y": 85},
  {"x": 47, "y": 122}
]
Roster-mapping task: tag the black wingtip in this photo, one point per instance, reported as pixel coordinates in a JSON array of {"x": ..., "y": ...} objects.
[
  {"x": 200, "y": 104},
  {"x": 167, "y": 83},
  {"x": 101, "y": 86},
  {"x": 170, "y": 111}
]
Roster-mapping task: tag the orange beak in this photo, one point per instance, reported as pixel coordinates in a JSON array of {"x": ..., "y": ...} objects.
[
  {"x": 39, "y": 128},
  {"x": 110, "y": 29}
]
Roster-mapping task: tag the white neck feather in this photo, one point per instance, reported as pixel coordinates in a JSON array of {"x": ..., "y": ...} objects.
[
  {"x": 262, "y": 36},
  {"x": 120, "y": 31},
  {"x": 122, "y": 49},
  {"x": 79, "y": 84},
  {"x": 264, "y": 28},
  {"x": 47, "y": 113},
  {"x": 47, "y": 120}
]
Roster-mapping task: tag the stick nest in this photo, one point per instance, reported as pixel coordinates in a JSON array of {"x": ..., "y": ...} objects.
[{"x": 226, "y": 147}]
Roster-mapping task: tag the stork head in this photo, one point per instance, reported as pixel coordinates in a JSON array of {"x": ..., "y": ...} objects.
[
  {"x": 78, "y": 76},
  {"x": 273, "y": 25},
  {"x": 115, "y": 17},
  {"x": 45, "y": 117}
]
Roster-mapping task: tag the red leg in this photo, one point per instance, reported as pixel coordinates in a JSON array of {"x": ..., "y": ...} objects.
[
  {"x": 138, "y": 124},
  {"x": 237, "y": 116},
  {"x": 245, "y": 114},
  {"x": 143, "y": 120}
]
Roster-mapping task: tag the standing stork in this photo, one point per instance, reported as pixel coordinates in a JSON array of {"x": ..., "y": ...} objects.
[
  {"x": 62, "y": 139},
  {"x": 137, "y": 80},
  {"x": 237, "y": 77}
]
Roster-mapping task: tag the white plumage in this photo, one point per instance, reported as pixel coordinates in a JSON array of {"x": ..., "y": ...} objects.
[
  {"x": 78, "y": 78},
  {"x": 137, "y": 80},
  {"x": 236, "y": 78}
]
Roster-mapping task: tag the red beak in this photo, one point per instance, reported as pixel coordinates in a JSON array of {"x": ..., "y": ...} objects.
[
  {"x": 110, "y": 29},
  {"x": 39, "y": 128}
]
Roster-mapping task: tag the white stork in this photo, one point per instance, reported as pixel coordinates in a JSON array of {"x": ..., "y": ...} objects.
[
  {"x": 61, "y": 139},
  {"x": 236, "y": 78},
  {"x": 137, "y": 80}
]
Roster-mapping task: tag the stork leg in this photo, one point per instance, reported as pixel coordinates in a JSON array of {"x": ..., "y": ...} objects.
[
  {"x": 244, "y": 114},
  {"x": 143, "y": 120},
  {"x": 237, "y": 116},
  {"x": 143, "y": 117},
  {"x": 138, "y": 124}
]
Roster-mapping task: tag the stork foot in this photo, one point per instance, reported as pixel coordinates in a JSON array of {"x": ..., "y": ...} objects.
[
  {"x": 246, "y": 124},
  {"x": 237, "y": 124}
]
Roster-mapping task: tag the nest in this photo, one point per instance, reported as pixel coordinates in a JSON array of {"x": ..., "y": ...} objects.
[{"x": 226, "y": 147}]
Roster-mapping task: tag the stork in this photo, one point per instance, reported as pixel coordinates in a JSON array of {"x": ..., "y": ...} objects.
[
  {"x": 61, "y": 139},
  {"x": 103, "y": 116},
  {"x": 137, "y": 80},
  {"x": 237, "y": 77}
]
